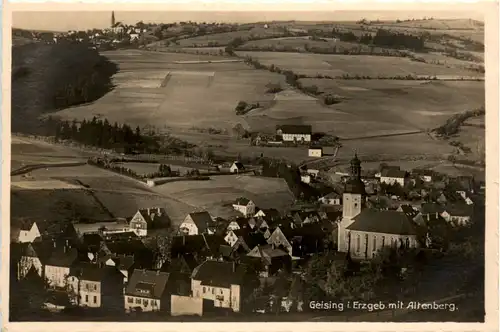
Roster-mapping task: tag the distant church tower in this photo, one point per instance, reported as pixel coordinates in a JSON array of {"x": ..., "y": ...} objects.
[
  {"x": 113, "y": 19},
  {"x": 353, "y": 201}
]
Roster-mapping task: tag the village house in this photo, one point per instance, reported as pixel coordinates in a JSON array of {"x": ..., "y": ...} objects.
[
  {"x": 26, "y": 232},
  {"x": 237, "y": 167},
  {"x": 423, "y": 174},
  {"x": 101, "y": 227},
  {"x": 305, "y": 178},
  {"x": 279, "y": 239},
  {"x": 196, "y": 223},
  {"x": 232, "y": 236},
  {"x": 269, "y": 260},
  {"x": 267, "y": 214},
  {"x": 219, "y": 282},
  {"x": 96, "y": 286},
  {"x": 331, "y": 199},
  {"x": 244, "y": 206},
  {"x": 385, "y": 168},
  {"x": 57, "y": 268},
  {"x": 459, "y": 214},
  {"x": 295, "y": 133},
  {"x": 200, "y": 246},
  {"x": 32, "y": 256},
  {"x": 147, "y": 291},
  {"x": 247, "y": 240},
  {"x": 316, "y": 152},
  {"x": 238, "y": 223},
  {"x": 391, "y": 176},
  {"x": 149, "y": 218},
  {"x": 260, "y": 223}
]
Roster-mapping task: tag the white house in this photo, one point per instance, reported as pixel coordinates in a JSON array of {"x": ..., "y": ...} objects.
[
  {"x": 465, "y": 197},
  {"x": 57, "y": 268},
  {"x": 306, "y": 178},
  {"x": 231, "y": 238},
  {"x": 315, "y": 152},
  {"x": 147, "y": 291},
  {"x": 147, "y": 218},
  {"x": 196, "y": 223},
  {"x": 458, "y": 214},
  {"x": 236, "y": 167},
  {"x": 32, "y": 257},
  {"x": 28, "y": 232},
  {"x": 219, "y": 282},
  {"x": 391, "y": 176},
  {"x": 331, "y": 199},
  {"x": 295, "y": 133},
  {"x": 244, "y": 206}
]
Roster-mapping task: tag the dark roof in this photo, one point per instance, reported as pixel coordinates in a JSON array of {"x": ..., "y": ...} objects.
[
  {"x": 219, "y": 274},
  {"x": 241, "y": 201},
  {"x": 408, "y": 210},
  {"x": 121, "y": 236},
  {"x": 202, "y": 220},
  {"x": 238, "y": 165},
  {"x": 26, "y": 225},
  {"x": 146, "y": 283},
  {"x": 270, "y": 214},
  {"x": 426, "y": 172},
  {"x": 253, "y": 239},
  {"x": 429, "y": 208},
  {"x": 152, "y": 214},
  {"x": 93, "y": 272},
  {"x": 121, "y": 247},
  {"x": 63, "y": 257},
  {"x": 295, "y": 129},
  {"x": 459, "y": 210},
  {"x": 124, "y": 262},
  {"x": 393, "y": 173},
  {"x": 389, "y": 222},
  {"x": 200, "y": 244},
  {"x": 91, "y": 242}
]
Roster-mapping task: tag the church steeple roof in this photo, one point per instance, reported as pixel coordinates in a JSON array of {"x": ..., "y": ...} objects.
[{"x": 354, "y": 185}]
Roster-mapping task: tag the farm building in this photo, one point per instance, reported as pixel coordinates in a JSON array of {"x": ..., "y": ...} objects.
[
  {"x": 196, "y": 223},
  {"x": 315, "y": 152},
  {"x": 149, "y": 218},
  {"x": 245, "y": 206},
  {"x": 294, "y": 133},
  {"x": 27, "y": 232},
  {"x": 392, "y": 176},
  {"x": 237, "y": 167}
]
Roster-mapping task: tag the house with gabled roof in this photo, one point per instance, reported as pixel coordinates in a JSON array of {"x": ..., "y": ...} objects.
[
  {"x": 244, "y": 206},
  {"x": 26, "y": 231},
  {"x": 149, "y": 218},
  {"x": 147, "y": 291},
  {"x": 248, "y": 240},
  {"x": 33, "y": 256},
  {"x": 372, "y": 230},
  {"x": 200, "y": 246},
  {"x": 392, "y": 176},
  {"x": 332, "y": 198},
  {"x": 459, "y": 214},
  {"x": 219, "y": 282},
  {"x": 238, "y": 223},
  {"x": 270, "y": 214},
  {"x": 196, "y": 223},
  {"x": 237, "y": 167},
  {"x": 294, "y": 133},
  {"x": 269, "y": 260},
  {"x": 96, "y": 286},
  {"x": 62, "y": 258}
]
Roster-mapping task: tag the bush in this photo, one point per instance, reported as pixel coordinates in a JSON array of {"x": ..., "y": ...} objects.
[{"x": 331, "y": 100}]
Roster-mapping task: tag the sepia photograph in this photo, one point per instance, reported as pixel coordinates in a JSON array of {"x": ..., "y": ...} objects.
[{"x": 251, "y": 166}]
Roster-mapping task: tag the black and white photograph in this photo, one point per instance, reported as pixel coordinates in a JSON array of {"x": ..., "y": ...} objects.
[{"x": 248, "y": 166}]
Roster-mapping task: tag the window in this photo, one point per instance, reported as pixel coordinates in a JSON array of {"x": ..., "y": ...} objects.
[
  {"x": 204, "y": 290},
  {"x": 130, "y": 300},
  {"x": 221, "y": 292},
  {"x": 358, "y": 243},
  {"x": 213, "y": 290},
  {"x": 407, "y": 243},
  {"x": 374, "y": 243},
  {"x": 86, "y": 298},
  {"x": 383, "y": 241},
  {"x": 95, "y": 299},
  {"x": 145, "y": 302},
  {"x": 137, "y": 301}
]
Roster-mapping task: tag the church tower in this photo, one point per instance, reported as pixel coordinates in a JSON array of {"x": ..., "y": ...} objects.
[
  {"x": 353, "y": 201},
  {"x": 113, "y": 19}
]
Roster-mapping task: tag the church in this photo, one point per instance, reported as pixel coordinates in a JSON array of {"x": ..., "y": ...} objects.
[{"x": 362, "y": 231}]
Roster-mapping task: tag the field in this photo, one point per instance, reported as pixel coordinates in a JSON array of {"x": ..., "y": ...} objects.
[
  {"x": 363, "y": 65},
  {"x": 214, "y": 195}
]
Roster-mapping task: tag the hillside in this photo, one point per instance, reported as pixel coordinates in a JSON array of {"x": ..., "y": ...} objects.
[{"x": 50, "y": 77}]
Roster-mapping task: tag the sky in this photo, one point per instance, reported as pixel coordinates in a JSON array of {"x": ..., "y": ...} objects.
[{"x": 83, "y": 20}]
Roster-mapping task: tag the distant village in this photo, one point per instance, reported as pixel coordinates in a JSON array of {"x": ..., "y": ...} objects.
[{"x": 209, "y": 263}]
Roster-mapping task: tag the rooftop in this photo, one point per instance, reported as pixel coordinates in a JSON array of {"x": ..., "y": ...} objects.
[{"x": 387, "y": 222}]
